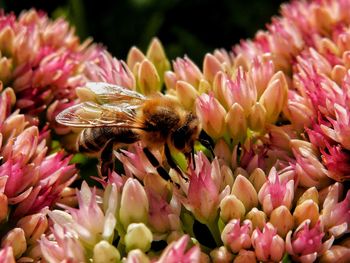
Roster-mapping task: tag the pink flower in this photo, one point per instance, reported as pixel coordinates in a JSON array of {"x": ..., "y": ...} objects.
[
  {"x": 82, "y": 220},
  {"x": 340, "y": 130},
  {"x": 163, "y": 216},
  {"x": 44, "y": 56},
  {"x": 261, "y": 72},
  {"x": 335, "y": 215},
  {"x": 336, "y": 159},
  {"x": 276, "y": 192},
  {"x": 136, "y": 162},
  {"x": 31, "y": 180},
  {"x": 240, "y": 89},
  {"x": 176, "y": 252},
  {"x": 308, "y": 167},
  {"x": 6, "y": 255},
  {"x": 102, "y": 67},
  {"x": 306, "y": 243},
  {"x": 204, "y": 193},
  {"x": 186, "y": 70},
  {"x": 268, "y": 244},
  {"x": 66, "y": 246},
  {"x": 237, "y": 237}
]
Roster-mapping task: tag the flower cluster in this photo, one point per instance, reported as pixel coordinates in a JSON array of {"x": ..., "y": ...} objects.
[{"x": 269, "y": 185}]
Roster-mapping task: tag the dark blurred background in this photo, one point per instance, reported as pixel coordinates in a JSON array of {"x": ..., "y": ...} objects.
[{"x": 183, "y": 26}]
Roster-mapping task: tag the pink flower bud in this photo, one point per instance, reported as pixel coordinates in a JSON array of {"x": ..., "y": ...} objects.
[
  {"x": 148, "y": 80},
  {"x": 257, "y": 117},
  {"x": 156, "y": 54},
  {"x": 257, "y": 178},
  {"x": 221, "y": 255},
  {"x": 244, "y": 191},
  {"x": 134, "y": 204},
  {"x": 66, "y": 245},
  {"x": 186, "y": 94},
  {"x": 245, "y": 256},
  {"x": 298, "y": 110},
  {"x": 236, "y": 118},
  {"x": 170, "y": 80},
  {"x": 211, "y": 115},
  {"x": 15, "y": 239},
  {"x": 211, "y": 65},
  {"x": 134, "y": 56},
  {"x": 336, "y": 253},
  {"x": 222, "y": 151},
  {"x": 3, "y": 206},
  {"x": 231, "y": 208},
  {"x": 306, "y": 210},
  {"x": 282, "y": 220},
  {"x": 257, "y": 217},
  {"x": 274, "y": 97},
  {"x": 33, "y": 226},
  {"x": 7, "y": 40}
]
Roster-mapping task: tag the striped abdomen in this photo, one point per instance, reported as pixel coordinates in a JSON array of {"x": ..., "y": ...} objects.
[{"x": 93, "y": 140}]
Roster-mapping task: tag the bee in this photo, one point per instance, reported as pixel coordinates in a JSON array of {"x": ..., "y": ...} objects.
[{"x": 117, "y": 116}]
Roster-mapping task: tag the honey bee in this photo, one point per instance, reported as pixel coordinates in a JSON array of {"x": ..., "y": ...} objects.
[{"x": 116, "y": 117}]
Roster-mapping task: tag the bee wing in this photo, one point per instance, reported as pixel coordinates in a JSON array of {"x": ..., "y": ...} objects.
[
  {"x": 109, "y": 93},
  {"x": 91, "y": 114}
]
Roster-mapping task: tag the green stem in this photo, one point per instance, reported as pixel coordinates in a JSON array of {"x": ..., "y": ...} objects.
[{"x": 215, "y": 232}]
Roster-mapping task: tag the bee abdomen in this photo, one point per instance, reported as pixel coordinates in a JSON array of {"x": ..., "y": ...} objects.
[{"x": 92, "y": 140}]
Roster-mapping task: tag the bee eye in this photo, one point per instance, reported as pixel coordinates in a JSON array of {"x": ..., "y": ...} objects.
[{"x": 179, "y": 138}]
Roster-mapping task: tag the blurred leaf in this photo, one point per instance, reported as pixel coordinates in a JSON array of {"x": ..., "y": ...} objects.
[{"x": 74, "y": 13}]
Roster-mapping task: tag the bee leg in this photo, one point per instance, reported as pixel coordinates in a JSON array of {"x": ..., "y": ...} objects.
[
  {"x": 171, "y": 162},
  {"x": 193, "y": 159},
  {"x": 107, "y": 159},
  {"x": 206, "y": 141},
  {"x": 160, "y": 169}
]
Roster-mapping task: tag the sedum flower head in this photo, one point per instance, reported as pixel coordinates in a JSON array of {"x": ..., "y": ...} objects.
[
  {"x": 40, "y": 58},
  {"x": 275, "y": 108}
]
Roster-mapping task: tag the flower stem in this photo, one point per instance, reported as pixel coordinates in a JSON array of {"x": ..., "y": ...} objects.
[{"x": 214, "y": 230}]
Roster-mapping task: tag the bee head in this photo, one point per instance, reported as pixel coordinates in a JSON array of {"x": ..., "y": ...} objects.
[{"x": 184, "y": 137}]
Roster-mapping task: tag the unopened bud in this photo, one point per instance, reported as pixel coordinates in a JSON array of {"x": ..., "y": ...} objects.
[
  {"x": 245, "y": 191},
  {"x": 16, "y": 239},
  {"x": 33, "y": 226},
  {"x": 221, "y": 255},
  {"x": 138, "y": 236},
  {"x": 105, "y": 252}
]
